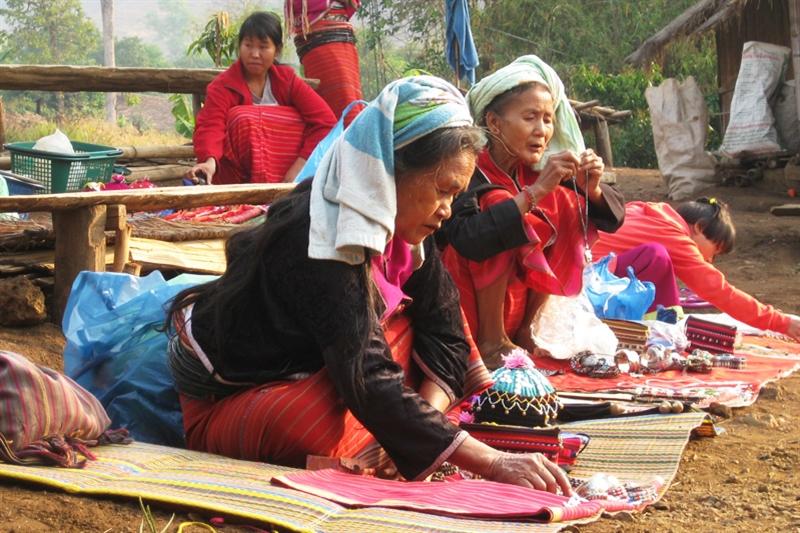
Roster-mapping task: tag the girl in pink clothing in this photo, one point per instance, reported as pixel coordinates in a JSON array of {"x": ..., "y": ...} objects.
[{"x": 662, "y": 244}]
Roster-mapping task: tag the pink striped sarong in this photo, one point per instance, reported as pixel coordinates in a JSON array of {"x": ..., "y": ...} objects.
[{"x": 261, "y": 143}]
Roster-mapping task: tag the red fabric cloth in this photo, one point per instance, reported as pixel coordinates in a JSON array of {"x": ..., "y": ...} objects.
[
  {"x": 551, "y": 263},
  {"x": 261, "y": 143},
  {"x": 283, "y": 422},
  {"x": 229, "y": 90},
  {"x": 658, "y": 222},
  {"x": 464, "y": 498}
]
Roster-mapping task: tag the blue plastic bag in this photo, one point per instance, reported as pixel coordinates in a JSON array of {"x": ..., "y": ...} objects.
[
  {"x": 310, "y": 168},
  {"x": 615, "y": 297},
  {"x": 116, "y": 350}
]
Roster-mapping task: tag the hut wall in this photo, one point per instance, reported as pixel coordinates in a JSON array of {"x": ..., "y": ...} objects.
[{"x": 759, "y": 20}]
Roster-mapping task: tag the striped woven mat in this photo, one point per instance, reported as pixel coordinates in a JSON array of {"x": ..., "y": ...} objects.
[{"x": 633, "y": 449}]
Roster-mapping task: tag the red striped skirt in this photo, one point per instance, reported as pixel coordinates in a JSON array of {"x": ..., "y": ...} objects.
[
  {"x": 261, "y": 143},
  {"x": 286, "y": 421},
  {"x": 335, "y": 65}
]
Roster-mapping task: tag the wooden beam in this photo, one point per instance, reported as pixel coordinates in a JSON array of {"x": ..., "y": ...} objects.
[
  {"x": 785, "y": 210},
  {"x": 80, "y": 245},
  {"x": 109, "y": 79},
  {"x": 159, "y": 173},
  {"x": 603, "y": 140},
  {"x": 151, "y": 199}
]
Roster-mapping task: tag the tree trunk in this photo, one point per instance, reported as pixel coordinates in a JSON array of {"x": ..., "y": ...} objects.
[{"x": 108, "y": 55}]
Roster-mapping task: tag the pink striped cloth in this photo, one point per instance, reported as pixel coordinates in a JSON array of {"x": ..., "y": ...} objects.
[{"x": 463, "y": 498}]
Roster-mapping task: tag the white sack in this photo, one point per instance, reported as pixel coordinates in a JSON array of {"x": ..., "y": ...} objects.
[
  {"x": 751, "y": 127},
  {"x": 679, "y": 117}
]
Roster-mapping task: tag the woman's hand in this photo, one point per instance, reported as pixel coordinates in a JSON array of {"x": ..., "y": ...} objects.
[
  {"x": 589, "y": 173},
  {"x": 532, "y": 470},
  {"x": 559, "y": 167},
  {"x": 524, "y": 469},
  {"x": 204, "y": 170}
]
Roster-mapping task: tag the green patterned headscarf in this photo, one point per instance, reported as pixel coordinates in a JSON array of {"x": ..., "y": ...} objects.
[{"x": 526, "y": 69}]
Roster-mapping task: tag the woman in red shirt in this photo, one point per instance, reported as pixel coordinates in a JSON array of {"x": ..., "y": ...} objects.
[
  {"x": 260, "y": 121},
  {"x": 662, "y": 244}
]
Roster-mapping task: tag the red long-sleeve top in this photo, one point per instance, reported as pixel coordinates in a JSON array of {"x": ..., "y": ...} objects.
[
  {"x": 658, "y": 222},
  {"x": 230, "y": 89}
]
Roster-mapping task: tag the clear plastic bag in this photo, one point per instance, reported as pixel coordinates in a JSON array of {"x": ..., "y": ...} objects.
[
  {"x": 565, "y": 326},
  {"x": 56, "y": 142},
  {"x": 615, "y": 297},
  {"x": 117, "y": 350}
]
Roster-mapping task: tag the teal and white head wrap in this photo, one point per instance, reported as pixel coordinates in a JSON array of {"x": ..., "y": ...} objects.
[
  {"x": 526, "y": 69},
  {"x": 353, "y": 194}
]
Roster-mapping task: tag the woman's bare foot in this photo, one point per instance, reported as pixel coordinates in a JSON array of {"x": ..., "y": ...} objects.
[
  {"x": 527, "y": 343},
  {"x": 492, "y": 352}
]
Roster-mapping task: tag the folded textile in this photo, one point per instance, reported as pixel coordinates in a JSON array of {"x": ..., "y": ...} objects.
[
  {"x": 710, "y": 336},
  {"x": 559, "y": 446},
  {"x": 464, "y": 498}
]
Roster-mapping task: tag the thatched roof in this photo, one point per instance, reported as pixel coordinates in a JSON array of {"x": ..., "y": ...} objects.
[{"x": 701, "y": 17}]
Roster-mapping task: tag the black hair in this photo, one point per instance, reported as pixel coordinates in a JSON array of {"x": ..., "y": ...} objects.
[
  {"x": 245, "y": 249},
  {"x": 262, "y": 25},
  {"x": 499, "y": 102},
  {"x": 433, "y": 148},
  {"x": 714, "y": 220}
]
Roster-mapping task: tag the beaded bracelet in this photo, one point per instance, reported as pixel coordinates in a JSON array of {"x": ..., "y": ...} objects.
[{"x": 531, "y": 199}]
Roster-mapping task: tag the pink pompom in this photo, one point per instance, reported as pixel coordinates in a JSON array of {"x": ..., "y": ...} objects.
[
  {"x": 518, "y": 358},
  {"x": 466, "y": 417}
]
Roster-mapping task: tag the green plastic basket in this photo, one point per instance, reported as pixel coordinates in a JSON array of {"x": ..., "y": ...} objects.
[{"x": 63, "y": 172}]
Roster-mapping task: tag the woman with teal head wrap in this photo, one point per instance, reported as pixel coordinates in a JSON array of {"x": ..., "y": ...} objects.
[
  {"x": 329, "y": 334},
  {"x": 534, "y": 204}
]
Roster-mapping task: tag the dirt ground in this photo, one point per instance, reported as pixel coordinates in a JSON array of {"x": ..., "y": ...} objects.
[{"x": 743, "y": 480}]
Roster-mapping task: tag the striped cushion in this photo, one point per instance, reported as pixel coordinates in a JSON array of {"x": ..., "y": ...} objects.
[{"x": 37, "y": 403}]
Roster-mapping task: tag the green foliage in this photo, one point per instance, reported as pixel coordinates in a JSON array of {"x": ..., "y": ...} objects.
[
  {"x": 134, "y": 52},
  {"x": 586, "y": 41},
  {"x": 184, "y": 114},
  {"x": 218, "y": 40},
  {"x": 50, "y": 32}
]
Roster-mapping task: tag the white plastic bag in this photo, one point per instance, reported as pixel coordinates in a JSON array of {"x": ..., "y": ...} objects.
[
  {"x": 679, "y": 117},
  {"x": 565, "y": 326},
  {"x": 752, "y": 125},
  {"x": 56, "y": 142}
]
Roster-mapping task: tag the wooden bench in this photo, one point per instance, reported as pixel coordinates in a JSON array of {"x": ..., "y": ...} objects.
[{"x": 80, "y": 220}]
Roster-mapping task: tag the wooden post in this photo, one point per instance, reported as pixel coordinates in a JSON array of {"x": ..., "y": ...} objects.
[
  {"x": 794, "y": 33},
  {"x": 117, "y": 220},
  {"x": 80, "y": 245},
  {"x": 603, "y": 141},
  {"x": 197, "y": 103},
  {"x": 2, "y": 127}
]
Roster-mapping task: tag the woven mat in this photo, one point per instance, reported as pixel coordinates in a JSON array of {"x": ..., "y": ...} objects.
[
  {"x": 633, "y": 449},
  {"x": 768, "y": 360}
]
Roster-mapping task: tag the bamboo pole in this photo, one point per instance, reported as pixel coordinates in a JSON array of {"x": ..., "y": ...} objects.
[
  {"x": 183, "y": 151},
  {"x": 151, "y": 199}
]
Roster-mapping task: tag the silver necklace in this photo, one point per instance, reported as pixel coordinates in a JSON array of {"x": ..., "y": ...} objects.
[{"x": 583, "y": 216}]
